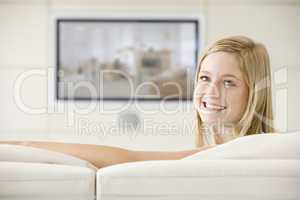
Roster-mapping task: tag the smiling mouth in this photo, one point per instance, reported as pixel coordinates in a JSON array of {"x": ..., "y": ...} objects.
[{"x": 213, "y": 107}]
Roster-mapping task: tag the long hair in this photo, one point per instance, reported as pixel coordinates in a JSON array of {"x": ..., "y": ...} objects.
[{"x": 254, "y": 63}]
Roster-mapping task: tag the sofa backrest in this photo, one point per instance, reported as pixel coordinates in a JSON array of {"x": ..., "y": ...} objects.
[{"x": 260, "y": 146}]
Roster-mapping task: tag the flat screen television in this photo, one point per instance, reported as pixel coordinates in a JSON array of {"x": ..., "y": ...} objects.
[{"x": 126, "y": 59}]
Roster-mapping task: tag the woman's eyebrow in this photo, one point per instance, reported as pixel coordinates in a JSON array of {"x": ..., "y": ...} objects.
[
  {"x": 224, "y": 75},
  {"x": 204, "y": 72},
  {"x": 231, "y": 75}
]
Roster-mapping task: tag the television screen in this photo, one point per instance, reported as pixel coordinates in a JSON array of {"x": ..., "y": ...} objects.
[{"x": 122, "y": 59}]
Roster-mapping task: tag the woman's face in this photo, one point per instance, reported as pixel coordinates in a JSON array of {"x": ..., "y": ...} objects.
[{"x": 221, "y": 92}]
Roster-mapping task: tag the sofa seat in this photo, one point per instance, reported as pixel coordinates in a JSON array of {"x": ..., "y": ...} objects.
[
  {"x": 40, "y": 181},
  {"x": 201, "y": 179}
]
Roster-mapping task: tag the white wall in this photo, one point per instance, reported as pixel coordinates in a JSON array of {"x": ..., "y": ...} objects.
[{"x": 26, "y": 38}]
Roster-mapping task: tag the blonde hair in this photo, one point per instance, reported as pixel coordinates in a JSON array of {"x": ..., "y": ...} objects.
[{"x": 254, "y": 63}]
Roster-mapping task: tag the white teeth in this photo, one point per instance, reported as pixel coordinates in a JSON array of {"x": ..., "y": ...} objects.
[{"x": 214, "y": 107}]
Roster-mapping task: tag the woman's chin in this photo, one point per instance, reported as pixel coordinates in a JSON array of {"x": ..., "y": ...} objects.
[{"x": 209, "y": 120}]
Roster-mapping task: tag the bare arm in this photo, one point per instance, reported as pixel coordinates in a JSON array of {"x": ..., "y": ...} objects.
[{"x": 102, "y": 156}]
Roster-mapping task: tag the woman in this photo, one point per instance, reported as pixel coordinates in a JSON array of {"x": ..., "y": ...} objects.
[
  {"x": 232, "y": 98},
  {"x": 233, "y": 94}
]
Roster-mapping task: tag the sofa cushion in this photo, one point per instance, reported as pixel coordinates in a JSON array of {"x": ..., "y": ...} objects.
[
  {"x": 21, "y": 181},
  {"x": 18, "y": 153},
  {"x": 222, "y": 179},
  {"x": 261, "y": 146}
]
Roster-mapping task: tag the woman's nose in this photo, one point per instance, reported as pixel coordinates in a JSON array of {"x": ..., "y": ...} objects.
[{"x": 213, "y": 90}]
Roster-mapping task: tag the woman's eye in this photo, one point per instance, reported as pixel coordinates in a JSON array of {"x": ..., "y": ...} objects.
[
  {"x": 229, "y": 83},
  {"x": 204, "y": 78}
]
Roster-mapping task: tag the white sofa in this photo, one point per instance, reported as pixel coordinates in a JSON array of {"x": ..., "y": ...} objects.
[{"x": 253, "y": 167}]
